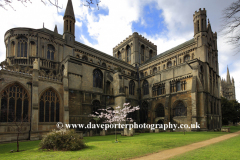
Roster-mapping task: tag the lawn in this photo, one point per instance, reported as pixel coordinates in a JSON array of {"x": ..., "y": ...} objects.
[
  {"x": 103, "y": 147},
  {"x": 228, "y": 149}
]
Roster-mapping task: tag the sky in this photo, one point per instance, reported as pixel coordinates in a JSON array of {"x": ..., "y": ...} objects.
[{"x": 166, "y": 23}]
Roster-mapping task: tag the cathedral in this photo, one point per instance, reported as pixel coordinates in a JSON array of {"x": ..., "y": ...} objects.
[
  {"x": 227, "y": 89},
  {"x": 48, "y": 78}
]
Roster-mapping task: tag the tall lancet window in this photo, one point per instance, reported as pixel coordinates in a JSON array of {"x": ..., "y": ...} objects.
[
  {"x": 22, "y": 47},
  {"x": 50, "y": 52},
  {"x": 128, "y": 54}
]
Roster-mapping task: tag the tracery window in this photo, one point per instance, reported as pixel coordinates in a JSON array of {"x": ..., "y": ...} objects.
[
  {"x": 14, "y": 104},
  {"x": 180, "y": 109},
  {"x": 22, "y": 47},
  {"x": 128, "y": 53},
  {"x": 159, "y": 112},
  {"x": 131, "y": 87},
  {"x": 145, "y": 87},
  {"x": 97, "y": 78},
  {"x": 49, "y": 109},
  {"x": 161, "y": 89},
  {"x": 50, "y": 52}
]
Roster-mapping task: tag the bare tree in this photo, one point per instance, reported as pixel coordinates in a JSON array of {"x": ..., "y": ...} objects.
[
  {"x": 231, "y": 24},
  {"x": 5, "y": 3}
]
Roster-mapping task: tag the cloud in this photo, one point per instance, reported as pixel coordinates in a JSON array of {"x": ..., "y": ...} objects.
[{"x": 103, "y": 29}]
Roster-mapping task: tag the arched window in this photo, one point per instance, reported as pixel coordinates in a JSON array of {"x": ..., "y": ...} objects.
[
  {"x": 119, "y": 55},
  {"x": 22, "y": 47},
  {"x": 14, "y": 104},
  {"x": 180, "y": 109},
  {"x": 49, "y": 109},
  {"x": 145, "y": 87},
  {"x": 169, "y": 64},
  {"x": 131, "y": 87},
  {"x": 178, "y": 84},
  {"x": 95, "y": 106},
  {"x": 97, "y": 78},
  {"x": 150, "y": 54},
  {"x": 186, "y": 58},
  {"x": 104, "y": 64},
  {"x": 154, "y": 70},
  {"x": 50, "y": 52},
  {"x": 159, "y": 112},
  {"x": 128, "y": 54},
  {"x": 85, "y": 58},
  {"x": 142, "y": 53},
  {"x": 144, "y": 112}
]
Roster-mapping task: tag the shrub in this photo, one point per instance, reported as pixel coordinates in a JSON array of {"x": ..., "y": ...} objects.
[{"x": 63, "y": 139}]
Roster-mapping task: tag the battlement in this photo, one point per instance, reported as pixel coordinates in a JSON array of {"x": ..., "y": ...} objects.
[
  {"x": 135, "y": 34},
  {"x": 199, "y": 12}
]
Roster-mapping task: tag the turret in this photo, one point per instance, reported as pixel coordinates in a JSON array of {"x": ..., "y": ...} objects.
[
  {"x": 69, "y": 24},
  {"x": 199, "y": 20}
]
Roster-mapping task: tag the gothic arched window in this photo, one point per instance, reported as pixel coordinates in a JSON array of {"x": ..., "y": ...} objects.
[
  {"x": 85, "y": 58},
  {"x": 50, "y": 52},
  {"x": 169, "y": 64},
  {"x": 12, "y": 49},
  {"x": 49, "y": 109},
  {"x": 150, "y": 54},
  {"x": 119, "y": 56},
  {"x": 97, "y": 78},
  {"x": 131, "y": 87},
  {"x": 128, "y": 54},
  {"x": 160, "y": 111},
  {"x": 186, "y": 58},
  {"x": 104, "y": 64},
  {"x": 154, "y": 70},
  {"x": 145, "y": 87},
  {"x": 142, "y": 53},
  {"x": 22, "y": 47},
  {"x": 180, "y": 109},
  {"x": 14, "y": 104}
]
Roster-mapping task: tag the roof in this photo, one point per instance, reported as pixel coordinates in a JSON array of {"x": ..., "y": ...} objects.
[
  {"x": 170, "y": 50},
  {"x": 69, "y": 10}
]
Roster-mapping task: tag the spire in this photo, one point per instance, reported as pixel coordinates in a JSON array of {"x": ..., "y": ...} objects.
[
  {"x": 69, "y": 10},
  {"x": 228, "y": 76},
  {"x": 43, "y": 24},
  {"x": 55, "y": 29}
]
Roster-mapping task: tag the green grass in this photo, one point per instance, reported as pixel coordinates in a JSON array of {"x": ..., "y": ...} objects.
[
  {"x": 104, "y": 147},
  {"x": 228, "y": 149}
]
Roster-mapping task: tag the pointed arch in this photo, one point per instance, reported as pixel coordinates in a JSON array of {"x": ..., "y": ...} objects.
[
  {"x": 128, "y": 53},
  {"x": 49, "y": 105},
  {"x": 15, "y": 102},
  {"x": 97, "y": 78},
  {"x": 131, "y": 87},
  {"x": 159, "y": 110},
  {"x": 145, "y": 87}
]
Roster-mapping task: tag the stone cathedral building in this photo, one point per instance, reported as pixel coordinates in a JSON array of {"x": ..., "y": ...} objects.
[
  {"x": 227, "y": 89},
  {"x": 49, "y": 78}
]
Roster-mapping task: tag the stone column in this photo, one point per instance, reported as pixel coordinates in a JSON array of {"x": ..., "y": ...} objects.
[
  {"x": 35, "y": 100},
  {"x": 65, "y": 95}
]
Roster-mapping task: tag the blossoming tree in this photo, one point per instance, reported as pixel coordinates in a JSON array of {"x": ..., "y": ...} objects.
[{"x": 119, "y": 115}]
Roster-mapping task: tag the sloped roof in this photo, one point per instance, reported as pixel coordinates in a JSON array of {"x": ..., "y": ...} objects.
[{"x": 170, "y": 50}]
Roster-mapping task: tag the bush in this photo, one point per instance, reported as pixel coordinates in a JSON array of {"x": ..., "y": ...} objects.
[{"x": 62, "y": 140}]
